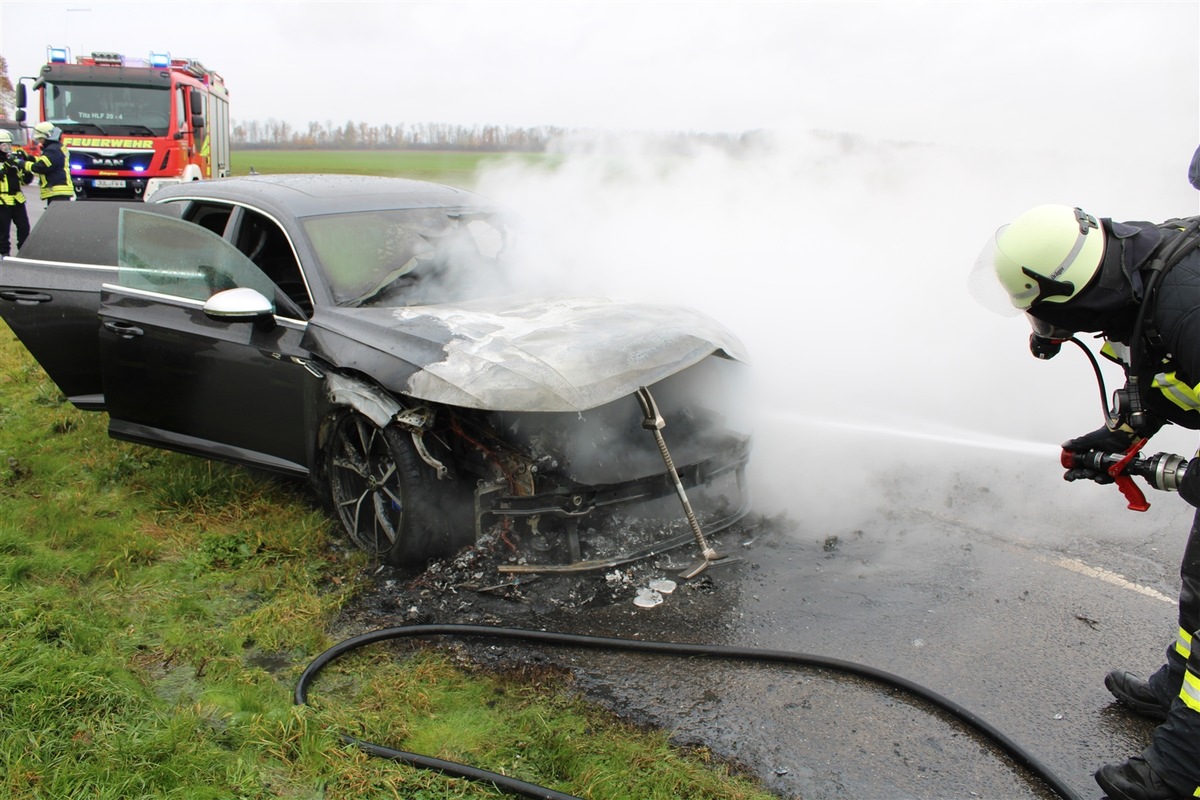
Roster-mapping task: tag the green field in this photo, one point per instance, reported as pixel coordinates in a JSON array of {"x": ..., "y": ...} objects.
[{"x": 455, "y": 168}]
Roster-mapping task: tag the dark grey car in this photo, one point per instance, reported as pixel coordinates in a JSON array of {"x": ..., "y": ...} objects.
[{"x": 361, "y": 332}]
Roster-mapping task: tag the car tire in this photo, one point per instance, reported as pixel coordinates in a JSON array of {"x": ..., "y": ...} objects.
[{"x": 389, "y": 500}]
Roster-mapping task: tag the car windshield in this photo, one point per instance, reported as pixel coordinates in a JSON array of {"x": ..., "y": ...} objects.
[{"x": 405, "y": 257}]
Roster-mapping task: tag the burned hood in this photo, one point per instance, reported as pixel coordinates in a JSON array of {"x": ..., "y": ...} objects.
[{"x": 519, "y": 354}]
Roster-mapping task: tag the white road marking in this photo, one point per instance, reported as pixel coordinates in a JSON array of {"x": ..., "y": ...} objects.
[
  {"x": 1106, "y": 576},
  {"x": 1074, "y": 565}
]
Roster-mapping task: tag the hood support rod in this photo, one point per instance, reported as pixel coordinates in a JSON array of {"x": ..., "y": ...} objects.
[{"x": 654, "y": 423}]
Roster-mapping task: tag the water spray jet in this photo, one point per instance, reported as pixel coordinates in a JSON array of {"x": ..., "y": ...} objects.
[{"x": 962, "y": 439}]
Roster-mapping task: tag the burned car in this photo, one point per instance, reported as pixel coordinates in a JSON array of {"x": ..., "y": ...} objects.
[{"x": 362, "y": 332}]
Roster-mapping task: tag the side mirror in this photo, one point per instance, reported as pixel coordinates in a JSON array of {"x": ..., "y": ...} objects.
[
  {"x": 20, "y": 115},
  {"x": 20, "y": 95},
  {"x": 196, "y": 101},
  {"x": 241, "y": 304}
]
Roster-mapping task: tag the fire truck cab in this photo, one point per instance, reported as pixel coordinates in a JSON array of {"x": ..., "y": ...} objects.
[{"x": 131, "y": 125}]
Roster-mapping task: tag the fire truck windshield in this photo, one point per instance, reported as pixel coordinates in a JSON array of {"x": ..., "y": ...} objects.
[{"x": 108, "y": 108}]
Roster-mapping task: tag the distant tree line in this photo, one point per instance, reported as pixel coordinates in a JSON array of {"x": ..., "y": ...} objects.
[{"x": 276, "y": 135}]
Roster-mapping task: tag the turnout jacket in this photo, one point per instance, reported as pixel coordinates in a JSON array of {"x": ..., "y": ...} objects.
[
  {"x": 1178, "y": 320},
  {"x": 12, "y": 179},
  {"x": 52, "y": 171}
]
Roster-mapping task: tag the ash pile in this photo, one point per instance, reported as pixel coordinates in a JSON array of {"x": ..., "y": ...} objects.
[{"x": 473, "y": 587}]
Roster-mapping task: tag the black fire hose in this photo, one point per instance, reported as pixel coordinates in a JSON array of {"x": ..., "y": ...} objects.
[{"x": 513, "y": 786}]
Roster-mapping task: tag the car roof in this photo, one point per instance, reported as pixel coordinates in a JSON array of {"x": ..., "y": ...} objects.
[{"x": 305, "y": 195}]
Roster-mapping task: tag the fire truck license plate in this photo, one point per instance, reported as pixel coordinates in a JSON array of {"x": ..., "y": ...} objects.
[{"x": 109, "y": 184}]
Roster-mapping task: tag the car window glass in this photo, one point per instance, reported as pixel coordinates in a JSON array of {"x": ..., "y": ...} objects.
[
  {"x": 402, "y": 257},
  {"x": 264, "y": 243},
  {"x": 174, "y": 257},
  {"x": 214, "y": 216}
]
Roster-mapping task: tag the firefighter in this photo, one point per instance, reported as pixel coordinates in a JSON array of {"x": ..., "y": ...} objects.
[
  {"x": 12, "y": 199},
  {"x": 1071, "y": 272},
  {"x": 52, "y": 167}
]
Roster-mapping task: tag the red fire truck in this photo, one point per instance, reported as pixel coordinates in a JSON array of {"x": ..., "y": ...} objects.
[
  {"x": 18, "y": 132},
  {"x": 131, "y": 124}
]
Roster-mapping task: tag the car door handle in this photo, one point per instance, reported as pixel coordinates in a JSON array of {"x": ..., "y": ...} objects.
[
  {"x": 125, "y": 330},
  {"x": 25, "y": 297}
]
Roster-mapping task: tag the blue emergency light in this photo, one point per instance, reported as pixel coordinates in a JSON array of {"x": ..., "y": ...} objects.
[
  {"x": 59, "y": 55},
  {"x": 160, "y": 59}
]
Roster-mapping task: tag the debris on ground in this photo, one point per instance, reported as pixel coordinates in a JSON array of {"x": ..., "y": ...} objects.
[{"x": 469, "y": 587}]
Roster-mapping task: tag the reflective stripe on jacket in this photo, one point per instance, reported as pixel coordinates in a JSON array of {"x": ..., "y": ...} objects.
[
  {"x": 52, "y": 171},
  {"x": 1178, "y": 392},
  {"x": 1182, "y": 395},
  {"x": 10, "y": 185}
]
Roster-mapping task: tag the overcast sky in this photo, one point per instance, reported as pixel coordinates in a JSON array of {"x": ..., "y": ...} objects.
[{"x": 934, "y": 71}]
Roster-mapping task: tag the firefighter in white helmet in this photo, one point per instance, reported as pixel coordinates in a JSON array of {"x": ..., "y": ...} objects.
[
  {"x": 1136, "y": 283},
  {"x": 52, "y": 167},
  {"x": 13, "y": 176}
]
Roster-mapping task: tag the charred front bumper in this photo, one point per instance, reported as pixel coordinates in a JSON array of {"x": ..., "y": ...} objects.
[
  {"x": 583, "y": 471},
  {"x": 556, "y": 517},
  {"x": 495, "y": 501}
]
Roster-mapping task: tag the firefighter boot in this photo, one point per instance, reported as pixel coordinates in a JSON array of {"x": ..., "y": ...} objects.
[
  {"x": 1133, "y": 779},
  {"x": 1136, "y": 695}
]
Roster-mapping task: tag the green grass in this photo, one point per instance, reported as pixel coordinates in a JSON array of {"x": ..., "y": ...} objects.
[
  {"x": 156, "y": 611},
  {"x": 451, "y": 167}
]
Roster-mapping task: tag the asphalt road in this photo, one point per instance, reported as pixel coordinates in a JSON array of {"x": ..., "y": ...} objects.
[{"x": 33, "y": 206}]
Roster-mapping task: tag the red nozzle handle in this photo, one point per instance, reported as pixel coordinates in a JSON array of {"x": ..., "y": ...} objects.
[
  {"x": 1116, "y": 470},
  {"x": 1137, "y": 500}
]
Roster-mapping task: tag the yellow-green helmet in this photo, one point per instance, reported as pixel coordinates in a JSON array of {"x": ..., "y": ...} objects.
[
  {"x": 45, "y": 130},
  {"x": 1047, "y": 255}
]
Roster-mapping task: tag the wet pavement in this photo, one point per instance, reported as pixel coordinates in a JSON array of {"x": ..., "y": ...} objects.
[{"x": 988, "y": 581}]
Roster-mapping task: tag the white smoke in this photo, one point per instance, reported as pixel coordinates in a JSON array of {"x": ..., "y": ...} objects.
[{"x": 842, "y": 263}]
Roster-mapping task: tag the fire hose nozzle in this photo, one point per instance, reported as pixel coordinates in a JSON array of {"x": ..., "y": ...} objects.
[{"x": 1163, "y": 471}]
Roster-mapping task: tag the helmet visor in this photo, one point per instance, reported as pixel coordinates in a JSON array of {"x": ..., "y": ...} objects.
[{"x": 984, "y": 284}]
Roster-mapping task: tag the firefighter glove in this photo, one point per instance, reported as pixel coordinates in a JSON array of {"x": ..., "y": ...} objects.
[{"x": 1103, "y": 440}]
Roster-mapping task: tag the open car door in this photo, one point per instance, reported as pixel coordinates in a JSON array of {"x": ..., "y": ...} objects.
[
  {"x": 192, "y": 354},
  {"x": 50, "y": 294}
]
